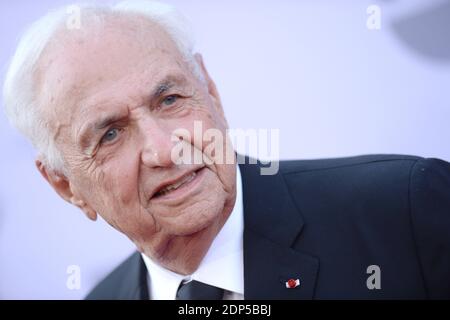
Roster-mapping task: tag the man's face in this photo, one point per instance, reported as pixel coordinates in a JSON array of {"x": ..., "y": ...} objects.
[{"x": 114, "y": 101}]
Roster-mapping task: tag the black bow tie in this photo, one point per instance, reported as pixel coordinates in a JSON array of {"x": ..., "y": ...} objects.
[{"x": 195, "y": 290}]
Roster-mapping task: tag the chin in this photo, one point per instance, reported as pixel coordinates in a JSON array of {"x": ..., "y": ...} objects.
[
  {"x": 183, "y": 254},
  {"x": 197, "y": 217}
]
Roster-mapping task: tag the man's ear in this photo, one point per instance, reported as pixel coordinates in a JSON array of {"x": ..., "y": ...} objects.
[
  {"x": 62, "y": 186},
  {"x": 212, "y": 89}
]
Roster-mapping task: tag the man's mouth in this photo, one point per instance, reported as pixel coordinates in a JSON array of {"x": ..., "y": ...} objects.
[
  {"x": 179, "y": 188},
  {"x": 167, "y": 189}
]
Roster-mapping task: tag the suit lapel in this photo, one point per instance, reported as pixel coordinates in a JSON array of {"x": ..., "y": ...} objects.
[
  {"x": 134, "y": 285},
  {"x": 272, "y": 223}
]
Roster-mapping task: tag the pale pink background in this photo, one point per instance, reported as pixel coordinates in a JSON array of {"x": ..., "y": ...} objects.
[{"x": 310, "y": 68}]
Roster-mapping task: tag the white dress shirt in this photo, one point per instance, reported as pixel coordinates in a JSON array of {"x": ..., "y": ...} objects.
[{"x": 222, "y": 266}]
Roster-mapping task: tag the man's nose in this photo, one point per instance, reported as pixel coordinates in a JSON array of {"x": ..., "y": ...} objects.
[{"x": 157, "y": 144}]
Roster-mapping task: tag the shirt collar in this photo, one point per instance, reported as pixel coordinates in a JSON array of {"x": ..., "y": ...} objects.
[{"x": 225, "y": 254}]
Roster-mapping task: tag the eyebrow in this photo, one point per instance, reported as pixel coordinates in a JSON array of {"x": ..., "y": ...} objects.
[
  {"x": 106, "y": 121},
  {"x": 166, "y": 84},
  {"x": 94, "y": 127}
]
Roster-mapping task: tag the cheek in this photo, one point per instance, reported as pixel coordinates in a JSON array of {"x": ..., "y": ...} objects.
[
  {"x": 121, "y": 202},
  {"x": 113, "y": 185},
  {"x": 121, "y": 177},
  {"x": 197, "y": 122}
]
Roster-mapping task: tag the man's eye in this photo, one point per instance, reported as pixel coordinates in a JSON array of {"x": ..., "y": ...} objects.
[
  {"x": 170, "y": 100},
  {"x": 110, "y": 135}
]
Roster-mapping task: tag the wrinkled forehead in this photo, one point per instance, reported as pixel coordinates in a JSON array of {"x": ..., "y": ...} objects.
[{"x": 103, "y": 55}]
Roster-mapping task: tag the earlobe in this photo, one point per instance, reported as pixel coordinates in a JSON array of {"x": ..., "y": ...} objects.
[
  {"x": 89, "y": 212},
  {"x": 62, "y": 187}
]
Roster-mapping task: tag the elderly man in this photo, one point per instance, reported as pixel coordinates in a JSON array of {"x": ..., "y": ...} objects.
[{"x": 106, "y": 102}]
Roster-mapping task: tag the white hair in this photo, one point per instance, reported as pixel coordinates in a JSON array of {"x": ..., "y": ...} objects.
[{"x": 19, "y": 88}]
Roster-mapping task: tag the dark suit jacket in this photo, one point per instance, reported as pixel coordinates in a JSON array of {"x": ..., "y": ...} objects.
[{"x": 325, "y": 221}]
